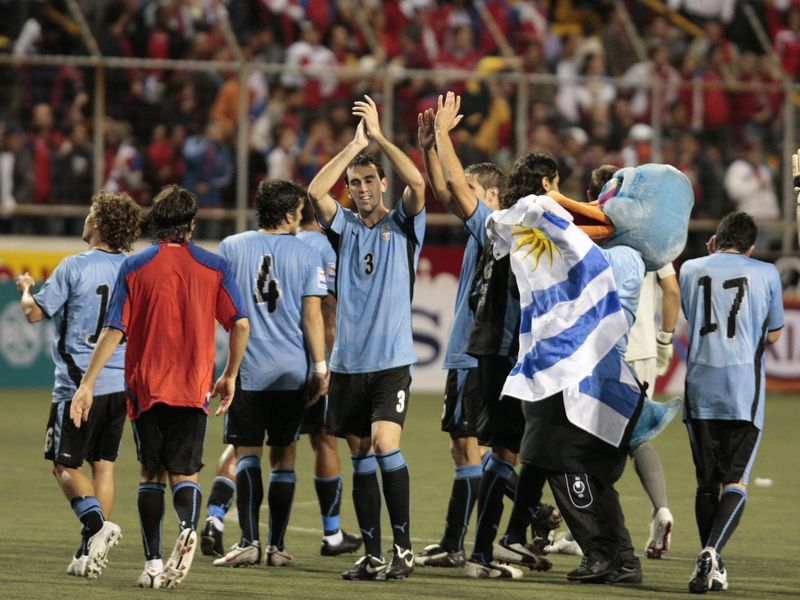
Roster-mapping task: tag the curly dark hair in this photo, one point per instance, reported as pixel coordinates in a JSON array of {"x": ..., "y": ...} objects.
[
  {"x": 363, "y": 159},
  {"x": 118, "y": 219},
  {"x": 170, "y": 219},
  {"x": 276, "y": 198},
  {"x": 598, "y": 179},
  {"x": 736, "y": 231},
  {"x": 526, "y": 175},
  {"x": 489, "y": 175}
]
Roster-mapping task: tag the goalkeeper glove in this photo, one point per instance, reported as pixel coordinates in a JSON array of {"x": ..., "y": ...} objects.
[{"x": 663, "y": 351}]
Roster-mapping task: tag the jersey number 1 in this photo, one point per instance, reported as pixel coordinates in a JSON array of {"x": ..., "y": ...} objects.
[
  {"x": 740, "y": 283},
  {"x": 266, "y": 288}
]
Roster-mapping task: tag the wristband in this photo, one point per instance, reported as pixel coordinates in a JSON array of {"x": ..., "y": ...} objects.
[
  {"x": 320, "y": 367},
  {"x": 664, "y": 337}
]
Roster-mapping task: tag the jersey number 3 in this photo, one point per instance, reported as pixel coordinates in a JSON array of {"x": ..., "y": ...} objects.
[
  {"x": 740, "y": 283},
  {"x": 266, "y": 288}
]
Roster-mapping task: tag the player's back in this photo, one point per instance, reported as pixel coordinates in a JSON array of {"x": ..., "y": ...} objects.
[
  {"x": 170, "y": 297},
  {"x": 76, "y": 297},
  {"x": 274, "y": 272},
  {"x": 731, "y": 301}
]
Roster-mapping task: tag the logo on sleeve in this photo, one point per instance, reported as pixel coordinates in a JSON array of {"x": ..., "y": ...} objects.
[{"x": 321, "y": 280}]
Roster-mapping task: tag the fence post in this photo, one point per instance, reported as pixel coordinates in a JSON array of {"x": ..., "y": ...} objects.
[
  {"x": 98, "y": 140},
  {"x": 242, "y": 148}
]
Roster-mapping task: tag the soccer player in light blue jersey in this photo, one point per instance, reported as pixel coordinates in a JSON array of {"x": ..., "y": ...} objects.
[
  {"x": 734, "y": 305},
  {"x": 377, "y": 250},
  {"x": 471, "y": 195},
  {"x": 76, "y": 298},
  {"x": 282, "y": 281}
]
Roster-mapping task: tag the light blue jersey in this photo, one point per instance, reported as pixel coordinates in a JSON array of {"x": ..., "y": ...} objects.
[
  {"x": 76, "y": 297},
  {"x": 731, "y": 302},
  {"x": 319, "y": 240},
  {"x": 274, "y": 272},
  {"x": 627, "y": 268},
  {"x": 456, "y": 357},
  {"x": 374, "y": 285}
]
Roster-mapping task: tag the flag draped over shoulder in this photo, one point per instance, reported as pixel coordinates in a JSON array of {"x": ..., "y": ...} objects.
[{"x": 571, "y": 318}]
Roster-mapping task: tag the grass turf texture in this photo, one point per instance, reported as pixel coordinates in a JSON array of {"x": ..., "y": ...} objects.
[{"x": 40, "y": 531}]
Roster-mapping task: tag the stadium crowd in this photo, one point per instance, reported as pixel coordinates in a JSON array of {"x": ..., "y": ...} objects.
[{"x": 720, "y": 105}]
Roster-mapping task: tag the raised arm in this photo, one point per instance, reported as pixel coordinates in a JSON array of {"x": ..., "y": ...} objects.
[
  {"x": 463, "y": 201},
  {"x": 414, "y": 194},
  {"x": 32, "y": 311},
  {"x": 427, "y": 143},
  {"x": 323, "y": 182}
]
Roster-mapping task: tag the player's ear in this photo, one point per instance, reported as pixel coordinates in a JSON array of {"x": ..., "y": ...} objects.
[{"x": 384, "y": 184}]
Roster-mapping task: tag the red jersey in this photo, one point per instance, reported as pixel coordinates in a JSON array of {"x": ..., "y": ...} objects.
[{"x": 166, "y": 301}]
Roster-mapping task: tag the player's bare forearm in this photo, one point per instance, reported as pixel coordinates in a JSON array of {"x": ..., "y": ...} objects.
[
  {"x": 407, "y": 171},
  {"x": 670, "y": 302},
  {"x": 329, "y": 317},
  {"x": 314, "y": 327},
  {"x": 320, "y": 187},
  {"x": 464, "y": 201},
  {"x": 436, "y": 177},
  {"x": 237, "y": 343},
  {"x": 32, "y": 311}
]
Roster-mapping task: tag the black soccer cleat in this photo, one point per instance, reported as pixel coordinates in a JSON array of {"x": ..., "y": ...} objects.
[
  {"x": 401, "y": 565},
  {"x": 349, "y": 544},
  {"x": 626, "y": 571},
  {"x": 366, "y": 568},
  {"x": 591, "y": 570},
  {"x": 436, "y": 555},
  {"x": 211, "y": 539}
]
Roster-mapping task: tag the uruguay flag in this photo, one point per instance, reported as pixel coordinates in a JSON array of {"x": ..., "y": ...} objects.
[{"x": 571, "y": 318}]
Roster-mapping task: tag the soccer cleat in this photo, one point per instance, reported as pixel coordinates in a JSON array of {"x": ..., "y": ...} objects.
[
  {"x": 278, "y": 558},
  {"x": 367, "y": 567},
  {"x": 591, "y": 569},
  {"x": 520, "y": 555},
  {"x": 660, "y": 534},
  {"x": 546, "y": 519},
  {"x": 564, "y": 544},
  {"x": 401, "y": 565},
  {"x": 704, "y": 571},
  {"x": 349, "y": 544},
  {"x": 628, "y": 571},
  {"x": 436, "y": 556},
  {"x": 241, "y": 556},
  {"x": 151, "y": 578},
  {"x": 78, "y": 566},
  {"x": 211, "y": 539},
  {"x": 180, "y": 561},
  {"x": 98, "y": 546},
  {"x": 719, "y": 580},
  {"x": 492, "y": 570}
]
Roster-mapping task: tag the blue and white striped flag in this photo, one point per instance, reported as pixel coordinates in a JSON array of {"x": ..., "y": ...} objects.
[{"x": 571, "y": 318}]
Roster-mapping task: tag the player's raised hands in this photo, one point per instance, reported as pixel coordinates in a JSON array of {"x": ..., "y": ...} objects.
[
  {"x": 447, "y": 116},
  {"x": 24, "y": 282},
  {"x": 367, "y": 110},
  {"x": 425, "y": 130},
  {"x": 360, "y": 136}
]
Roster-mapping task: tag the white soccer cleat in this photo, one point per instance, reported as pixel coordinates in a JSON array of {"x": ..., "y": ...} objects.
[
  {"x": 564, "y": 544},
  {"x": 78, "y": 566},
  {"x": 278, "y": 558},
  {"x": 241, "y": 556},
  {"x": 520, "y": 555},
  {"x": 660, "y": 534},
  {"x": 180, "y": 561},
  {"x": 99, "y": 545},
  {"x": 151, "y": 578},
  {"x": 493, "y": 570},
  {"x": 702, "y": 579},
  {"x": 719, "y": 579}
]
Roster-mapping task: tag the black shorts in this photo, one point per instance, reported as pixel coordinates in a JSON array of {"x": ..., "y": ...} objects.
[
  {"x": 723, "y": 451},
  {"x": 314, "y": 417},
  {"x": 356, "y": 400},
  {"x": 461, "y": 403},
  {"x": 253, "y": 413},
  {"x": 500, "y": 422},
  {"x": 170, "y": 437},
  {"x": 97, "y": 439}
]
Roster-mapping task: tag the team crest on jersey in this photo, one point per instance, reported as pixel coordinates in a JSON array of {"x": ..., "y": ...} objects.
[
  {"x": 386, "y": 233},
  {"x": 580, "y": 494}
]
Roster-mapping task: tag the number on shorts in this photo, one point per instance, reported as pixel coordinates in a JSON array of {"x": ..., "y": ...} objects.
[{"x": 401, "y": 401}]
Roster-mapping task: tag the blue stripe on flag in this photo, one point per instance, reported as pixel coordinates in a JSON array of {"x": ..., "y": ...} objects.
[
  {"x": 569, "y": 290},
  {"x": 605, "y": 386},
  {"x": 545, "y": 353},
  {"x": 556, "y": 220}
]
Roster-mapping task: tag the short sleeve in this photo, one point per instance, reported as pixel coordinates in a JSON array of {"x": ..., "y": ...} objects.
[
  {"x": 775, "y": 315},
  {"x": 418, "y": 222},
  {"x": 230, "y": 305},
  {"x": 338, "y": 222},
  {"x": 475, "y": 225},
  {"x": 119, "y": 309},
  {"x": 55, "y": 291},
  {"x": 316, "y": 283}
]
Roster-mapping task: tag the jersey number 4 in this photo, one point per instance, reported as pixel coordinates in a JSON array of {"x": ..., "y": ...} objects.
[
  {"x": 266, "y": 288},
  {"x": 740, "y": 283}
]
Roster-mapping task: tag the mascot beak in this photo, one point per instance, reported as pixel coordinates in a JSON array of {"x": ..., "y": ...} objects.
[{"x": 588, "y": 216}]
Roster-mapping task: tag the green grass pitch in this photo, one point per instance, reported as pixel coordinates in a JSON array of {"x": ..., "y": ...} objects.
[{"x": 39, "y": 531}]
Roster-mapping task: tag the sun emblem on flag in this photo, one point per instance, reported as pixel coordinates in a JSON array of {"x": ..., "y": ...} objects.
[{"x": 534, "y": 242}]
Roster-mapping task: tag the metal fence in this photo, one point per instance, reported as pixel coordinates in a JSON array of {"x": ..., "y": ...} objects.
[{"x": 108, "y": 77}]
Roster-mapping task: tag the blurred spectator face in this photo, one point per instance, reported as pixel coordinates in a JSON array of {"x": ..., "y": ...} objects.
[
  {"x": 462, "y": 39},
  {"x": 287, "y": 138},
  {"x": 339, "y": 38},
  {"x": 747, "y": 63},
  {"x": 80, "y": 134},
  {"x": 215, "y": 132},
  {"x": 178, "y": 136},
  {"x": 42, "y": 118}
]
